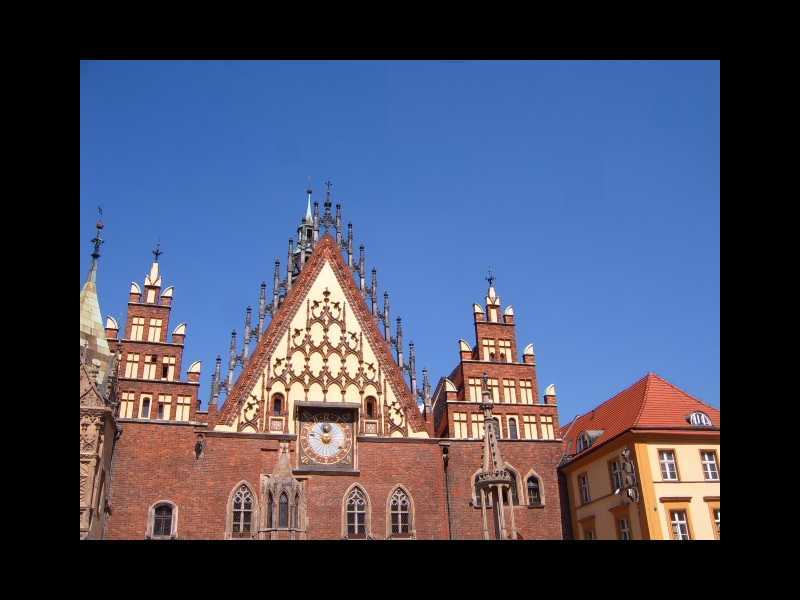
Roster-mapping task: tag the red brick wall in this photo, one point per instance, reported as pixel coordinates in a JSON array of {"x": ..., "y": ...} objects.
[
  {"x": 157, "y": 462},
  {"x": 532, "y": 523}
]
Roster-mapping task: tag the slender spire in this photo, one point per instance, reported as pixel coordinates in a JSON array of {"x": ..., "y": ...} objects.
[
  {"x": 309, "y": 216},
  {"x": 97, "y": 242}
]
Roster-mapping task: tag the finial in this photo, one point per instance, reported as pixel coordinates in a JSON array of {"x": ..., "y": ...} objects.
[
  {"x": 157, "y": 252},
  {"x": 98, "y": 241},
  {"x": 308, "y": 189},
  {"x": 491, "y": 278},
  {"x": 328, "y": 186}
]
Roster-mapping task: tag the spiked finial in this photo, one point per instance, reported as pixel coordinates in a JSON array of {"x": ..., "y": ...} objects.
[
  {"x": 386, "y": 332},
  {"x": 491, "y": 278},
  {"x": 157, "y": 252},
  {"x": 98, "y": 241}
]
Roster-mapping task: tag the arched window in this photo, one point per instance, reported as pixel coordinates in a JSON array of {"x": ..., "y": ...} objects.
[
  {"x": 269, "y": 511},
  {"x": 512, "y": 429},
  {"x": 356, "y": 514},
  {"x": 370, "y": 407},
  {"x": 277, "y": 404},
  {"x": 700, "y": 419},
  {"x": 534, "y": 494},
  {"x": 513, "y": 486},
  {"x": 242, "y": 512},
  {"x": 162, "y": 520},
  {"x": 283, "y": 511},
  {"x": 400, "y": 512},
  {"x": 296, "y": 512}
]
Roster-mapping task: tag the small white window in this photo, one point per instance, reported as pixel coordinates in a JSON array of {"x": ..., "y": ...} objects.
[
  {"x": 680, "y": 527},
  {"x": 700, "y": 419},
  {"x": 710, "y": 469},
  {"x": 624, "y": 529},
  {"x": 669, "y": 468},
  {"x": 583, "y": 442},
  {"x": 583, "y": 483}
]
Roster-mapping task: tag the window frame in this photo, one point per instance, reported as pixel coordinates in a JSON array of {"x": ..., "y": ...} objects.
[
  {"x": 390, "y": 513},
  {"x": 587, "y": 497},
  {"x": 151, "y": 515},
  {"x": 674, "y": 461},
  {"x": 675, "y": 511},
  {"x": 703, "y": 464},
  {"x": 367, "y": 534},
  {"x": 231, "y": 510}
]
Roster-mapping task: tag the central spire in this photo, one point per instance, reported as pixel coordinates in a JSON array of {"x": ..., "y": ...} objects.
[{"x": 309, "y": 216}]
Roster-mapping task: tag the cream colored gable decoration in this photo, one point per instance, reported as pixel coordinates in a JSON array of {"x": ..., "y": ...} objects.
[{"x": 323, "y": 356}]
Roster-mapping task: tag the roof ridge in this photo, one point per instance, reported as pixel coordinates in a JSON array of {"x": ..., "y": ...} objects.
[
  {"x": 672, "y": 385},
  {"x": 648, "y": 376},
  {"x": 575, "y": 419}
]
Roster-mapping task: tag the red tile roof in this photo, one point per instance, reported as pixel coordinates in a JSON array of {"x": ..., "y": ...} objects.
[{"x": 651, "y": 402}]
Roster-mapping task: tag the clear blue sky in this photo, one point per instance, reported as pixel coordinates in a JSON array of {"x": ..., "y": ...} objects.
[{"x": 592, "y": 188}]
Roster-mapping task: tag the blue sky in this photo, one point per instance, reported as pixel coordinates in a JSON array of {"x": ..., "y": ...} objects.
[{"x": 591, "y": 188}]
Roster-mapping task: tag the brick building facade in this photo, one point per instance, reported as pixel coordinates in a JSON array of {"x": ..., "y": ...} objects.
[{"x": 323, "y": 432}]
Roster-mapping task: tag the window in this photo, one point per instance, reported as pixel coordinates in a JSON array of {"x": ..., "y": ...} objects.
[
  {"x": 151, "y": 296},
  {"x": 399, "y": 508},
  {"x": 547, "y": 428},
  {"x": 137, "y": 328},
  {"x": 509, "y": 391},
  {"x": 168, "y": 368},
  {"x": 183, "y": 409},
  {"x": 283, "y": 511},
  {"x": 488, "y": 349},
  {"x": 529, "y": 427},
  {"x": 154, "y": 331},
  {"x": 269, "y": 510},
  {"x": 162, "y": 521},
  {"x": 242, "y": 513},
  {"x": 513, "y": 486},
  {"x": 132, "y": 366},
  {"x": 534, "y": 493},
  {"x": 296, "y": 511},
  {"x": 277, "y": 404},
  {"x": 144, "y": 409},
  {"x": 475, "y": 390},
  {"x": 370, "y": 407},
  {"x": 477, "y": 426},
  {"x": 460, "y": 425},
  {"x": 710, "y": 469},
  {"x": 583, "y": 484},
  {"x": 615, "y": 467},
  {"x": 126, "y": 406},
  {"x": 526, "y": 393},
  {"x": 669, "y": 469},
  {"x": 505, "y": 350},
  {"x": 512, "y": 429},
  {"x": 700, "y": 419},
  {"x": 149, "y": 366},
  {"x": 356, "y": 514},
  {"x": 624, "y": 529},
  {"x": 680, "y": 526},
  {"x": 716, "y": 522},
  {"x": 164, "y": 403},
  {"x": 583, "y": 442},
  {"x": 494, "y": 388}
]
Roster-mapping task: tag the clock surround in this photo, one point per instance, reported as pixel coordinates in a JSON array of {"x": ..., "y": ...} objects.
[{"x": 326, "y": 438}]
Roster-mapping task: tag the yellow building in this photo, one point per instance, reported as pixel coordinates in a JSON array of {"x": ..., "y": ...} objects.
[{"x": 673, "y": 487}]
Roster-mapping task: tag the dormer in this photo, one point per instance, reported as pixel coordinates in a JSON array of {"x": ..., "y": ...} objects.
[
  {"x": 587, "y": 438},
  {"x": 699, "y": 419}
]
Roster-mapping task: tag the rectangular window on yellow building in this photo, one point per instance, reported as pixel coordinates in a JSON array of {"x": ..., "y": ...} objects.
[
  {"x": 710, "y": 467},
  {"x": 583, "y": 486},
  {"x": 669, "y": 467},
  {"x": 679, "y": 525}
]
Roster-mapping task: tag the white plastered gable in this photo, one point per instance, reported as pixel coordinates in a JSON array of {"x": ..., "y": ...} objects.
[{"x": 324, "y": 356}]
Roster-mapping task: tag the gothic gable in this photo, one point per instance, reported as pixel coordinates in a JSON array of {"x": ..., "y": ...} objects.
[{"x": 322, "y": 346}]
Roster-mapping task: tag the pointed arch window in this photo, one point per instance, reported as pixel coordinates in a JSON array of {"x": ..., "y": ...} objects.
[
  {"x": 534, "y": 491},
  {"x": 356, "y": 509},
  {"x": 283, "y": 511},
  {"x": 513, "y": 486},
  {"x": 269, "y": 510},
  {"x": 277, "y": 404},
  {"x": 370, "y": 407},
  {"x": 296, "y": 512},
  {"x": 400, "y": 512},
  {"x": 242, "y": 513}
]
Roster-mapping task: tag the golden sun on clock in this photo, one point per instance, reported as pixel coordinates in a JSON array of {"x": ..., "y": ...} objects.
[{"x": 325, "y": 440}]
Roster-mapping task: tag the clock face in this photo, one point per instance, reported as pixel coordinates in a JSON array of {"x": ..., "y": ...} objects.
[{"x": 326, "y": 440}]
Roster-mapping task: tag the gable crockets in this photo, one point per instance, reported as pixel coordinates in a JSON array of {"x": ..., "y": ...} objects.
[{"x": 323, "y": 344}]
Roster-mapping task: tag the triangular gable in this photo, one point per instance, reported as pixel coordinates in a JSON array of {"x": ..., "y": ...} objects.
[
  {"x": 90, "y": 396},
  {"x": 326, "y": 252}
]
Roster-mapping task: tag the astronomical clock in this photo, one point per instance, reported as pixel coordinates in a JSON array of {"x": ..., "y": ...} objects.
[{"x": 326, "y": 440}]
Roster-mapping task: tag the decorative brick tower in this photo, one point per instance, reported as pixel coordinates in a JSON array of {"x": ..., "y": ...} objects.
[{"x": 149, "y": 382}]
